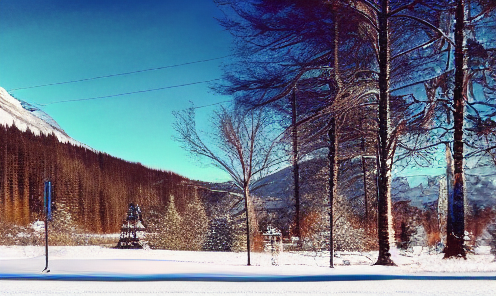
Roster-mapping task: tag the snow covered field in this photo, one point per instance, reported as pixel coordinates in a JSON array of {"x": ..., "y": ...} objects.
[
  {"x": 99, "y": 260},
  {"x": 183, "y": 288},
  {"x": 102, "y": 271}
]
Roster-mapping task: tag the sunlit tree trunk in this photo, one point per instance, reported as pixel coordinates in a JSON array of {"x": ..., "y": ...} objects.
[
  {"x": 246, "y": 194},
  {"x": 384, "y": 202}
]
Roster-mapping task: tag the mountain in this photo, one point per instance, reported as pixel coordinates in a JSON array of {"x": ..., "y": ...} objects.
[
  {"x": 479, "y": 190},
  {"x": 26, "y": 116},
  {"x": 278, "y": 191}
]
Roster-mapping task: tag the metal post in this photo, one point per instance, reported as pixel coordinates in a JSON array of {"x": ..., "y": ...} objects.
[
  {"x": 46, "y": 243},
  {"x": 47, "y": 209}
]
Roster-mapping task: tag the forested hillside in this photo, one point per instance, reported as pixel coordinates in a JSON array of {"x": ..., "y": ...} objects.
[{"x": 94, "y": 187}]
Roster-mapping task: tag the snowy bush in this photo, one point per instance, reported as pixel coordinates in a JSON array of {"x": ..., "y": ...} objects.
[
  {"x": 220, "y": 236},
  {"x": 62, "y": 229},
  {"x": 11, "y": 234},
  {"x": 418, "y": 237},
  {"x": 491, "y": 229},
  {"x": 166, "y": 233},
  {"x": 347, "y": 236},
  {"x": 195, "y": 225}
]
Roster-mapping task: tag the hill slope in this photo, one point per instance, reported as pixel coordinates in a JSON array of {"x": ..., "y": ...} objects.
[{"x": 95, "y": 188}]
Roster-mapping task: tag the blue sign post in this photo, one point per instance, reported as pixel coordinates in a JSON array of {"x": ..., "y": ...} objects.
[{"x": 47, "y": 198}]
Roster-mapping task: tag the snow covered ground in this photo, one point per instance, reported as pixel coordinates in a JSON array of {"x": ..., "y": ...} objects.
[
  {"x": 183, "y": 288},
  {"x": 100, "y": 260},
  {"x": 103, "y": 271}
]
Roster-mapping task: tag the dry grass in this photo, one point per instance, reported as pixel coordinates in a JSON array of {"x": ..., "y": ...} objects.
[
  {"x": 12, "y": 235},
  {"x": 433, "y": 238},
  {"x": 257, "y": 242}
]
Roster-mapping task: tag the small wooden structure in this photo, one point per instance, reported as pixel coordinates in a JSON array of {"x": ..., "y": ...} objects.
[
  {"x": 273, "y": 243},
  {"x": 132, "y": 229}
]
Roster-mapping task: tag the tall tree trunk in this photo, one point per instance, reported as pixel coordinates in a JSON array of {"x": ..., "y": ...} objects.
[
  {"x": 456, "y": 215},
  {"x": 296, "y": 169},
  {"x": 384, "y": 202},
  {"x": 332, "y": 183},
  {"x": 333, "y": 144},
  {"x": 364, "y": 170},
  {"x": 246, "y": 194}
]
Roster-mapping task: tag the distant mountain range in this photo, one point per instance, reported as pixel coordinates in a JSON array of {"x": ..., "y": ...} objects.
[
  {"x": 278, "y": 192},
  {"x": 480, "y": 190}
]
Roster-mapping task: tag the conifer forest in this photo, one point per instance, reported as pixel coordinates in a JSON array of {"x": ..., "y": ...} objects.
[{"x": 93, "y": 187}]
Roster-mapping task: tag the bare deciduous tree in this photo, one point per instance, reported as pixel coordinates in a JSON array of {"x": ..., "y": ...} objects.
[{"x": 243, "y": 143}]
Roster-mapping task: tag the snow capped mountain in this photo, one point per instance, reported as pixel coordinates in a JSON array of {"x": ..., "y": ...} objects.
[{"x": 24, "y": 115}]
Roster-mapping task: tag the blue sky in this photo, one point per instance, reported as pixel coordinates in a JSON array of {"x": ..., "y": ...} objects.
[{"x": 52, "y": 41}]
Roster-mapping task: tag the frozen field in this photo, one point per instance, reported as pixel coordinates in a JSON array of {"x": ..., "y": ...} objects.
[
  {"x": 95, "y": 259},
  {"x": 183, "y": 288},
  {"x": 103, "y": 271}
]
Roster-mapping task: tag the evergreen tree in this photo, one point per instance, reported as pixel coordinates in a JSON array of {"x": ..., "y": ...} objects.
[
  {"x": 169, "y": 230},
  {"x": 220, "y": 235},
  {"x": 195, "y": 224}
]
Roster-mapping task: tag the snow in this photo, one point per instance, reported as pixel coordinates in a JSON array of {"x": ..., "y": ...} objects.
[
  {"x": 95, "y": 270},
  {"x": 38, "y": 226},
  {"x": 78, "y": 260},
  {"x": 371, "y": 288},
  {"x": 13, "y": 113}
]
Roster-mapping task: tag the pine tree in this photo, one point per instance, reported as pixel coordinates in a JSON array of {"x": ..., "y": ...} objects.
[
  {"x": 195, "y": 224},
  {"x": 169, "y": 230}
]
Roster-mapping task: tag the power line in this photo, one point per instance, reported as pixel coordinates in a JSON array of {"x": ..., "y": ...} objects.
[
  {"x": 204, "y": 106},
  {"x": 119, "y": 74},
  {"x": 135, "y": 92}
]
